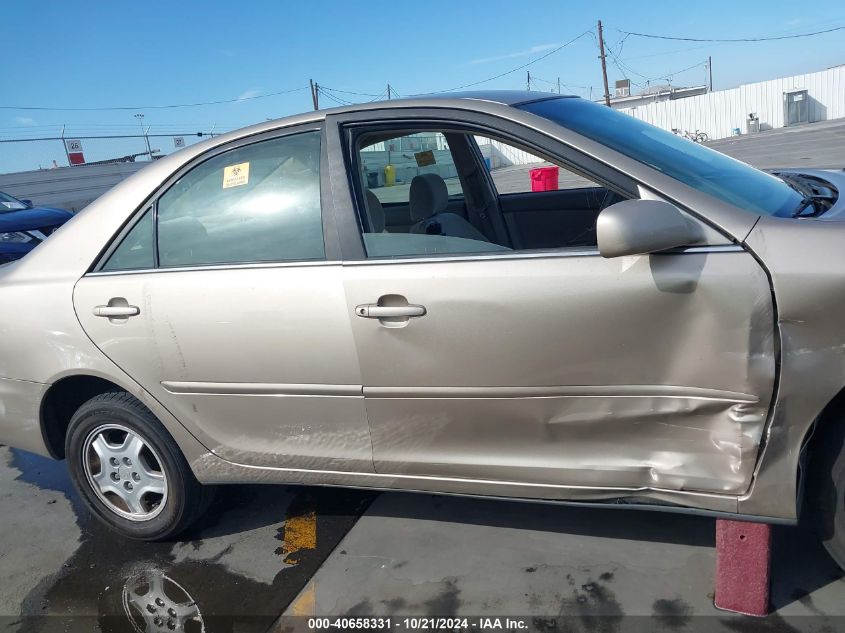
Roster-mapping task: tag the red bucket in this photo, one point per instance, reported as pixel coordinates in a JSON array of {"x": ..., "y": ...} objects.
[{"x": 544, "y": 178}]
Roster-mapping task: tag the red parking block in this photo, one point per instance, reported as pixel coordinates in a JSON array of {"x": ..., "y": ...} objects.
[{"x": 743, "y": 564}]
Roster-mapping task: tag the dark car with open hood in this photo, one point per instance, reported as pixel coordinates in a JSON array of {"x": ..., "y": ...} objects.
[{"x": 24, "y": 226}]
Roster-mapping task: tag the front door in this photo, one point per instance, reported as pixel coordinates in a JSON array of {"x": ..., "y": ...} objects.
[
  {"x": 232, "y": 318},
  {"x": 556, "y": 366}
]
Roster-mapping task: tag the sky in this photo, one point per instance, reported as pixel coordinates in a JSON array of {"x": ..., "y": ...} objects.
[{"x": 89, "y": 54}]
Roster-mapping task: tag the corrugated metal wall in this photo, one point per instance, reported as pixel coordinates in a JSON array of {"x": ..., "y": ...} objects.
[
  {"x": 718, "y": 113},
  {"x": 503, "y": 155},
  {"x": 70, "y": 188}
]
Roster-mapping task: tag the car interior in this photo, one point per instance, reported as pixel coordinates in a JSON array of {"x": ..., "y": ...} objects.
[{"x": 454, "y": 192}]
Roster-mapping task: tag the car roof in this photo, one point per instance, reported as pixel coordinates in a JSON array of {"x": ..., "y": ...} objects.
[
  {"x": 504, "y": 97},
  {"x": 497, "y": 98},
  {"x": 510, "y": 98}
]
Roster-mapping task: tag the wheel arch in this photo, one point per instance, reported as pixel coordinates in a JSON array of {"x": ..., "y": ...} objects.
[
  {"x": 822, "y": 429},
  {"x": 69, "y": 390},
  {"x": 62, "y": 400}
]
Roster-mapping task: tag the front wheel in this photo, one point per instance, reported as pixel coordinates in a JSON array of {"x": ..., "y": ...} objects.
[
  {"x": 129, "y": 470},
  {"x": 826, "y": 494}
]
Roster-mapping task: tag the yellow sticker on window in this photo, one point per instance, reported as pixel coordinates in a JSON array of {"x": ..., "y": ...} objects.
[
  {"x": 235, "y": 175},
  {"x": 424, "y": 159}
]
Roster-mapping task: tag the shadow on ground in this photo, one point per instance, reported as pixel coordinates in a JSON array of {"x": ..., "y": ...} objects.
[{"x": 800, "y": 564}]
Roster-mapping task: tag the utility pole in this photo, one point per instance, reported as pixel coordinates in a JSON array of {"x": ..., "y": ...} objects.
[
  {"x": 603, "y": 66},
  {"x": 140, "y": 118},
  {"x": 710, "y": 71},
  {"x": 315, "y": 96},
  {"x": 64, "y": 144},
  {"x": 528, "y": 82}
]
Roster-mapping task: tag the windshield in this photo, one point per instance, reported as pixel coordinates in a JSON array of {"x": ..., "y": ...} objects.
[
  {"x": 704, "y": 169},
  {"x": 8, "y": 203}
]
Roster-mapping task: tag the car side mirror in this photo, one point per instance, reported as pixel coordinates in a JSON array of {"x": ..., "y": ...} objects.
[
  {"x": 28, "y": 203},
  {"x": 637, "y": 227}
]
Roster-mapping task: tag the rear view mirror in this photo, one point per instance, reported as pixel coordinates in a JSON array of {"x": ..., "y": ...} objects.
[
  {"x": 637, "y": 227},
  {"x": 28, "y": 203}
]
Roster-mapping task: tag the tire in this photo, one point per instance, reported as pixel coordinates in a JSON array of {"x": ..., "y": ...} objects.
[
  {"x": 826, "y": 495},
  {"x": 702, "y": 137},
  {"x": 129, "y": 471}
]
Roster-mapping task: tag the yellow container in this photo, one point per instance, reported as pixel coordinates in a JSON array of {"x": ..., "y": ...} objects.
[{"x": 389, "y": 175}]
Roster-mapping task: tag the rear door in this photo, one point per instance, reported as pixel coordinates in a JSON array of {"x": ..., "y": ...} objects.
[
  {"x": 224, "y": 301},
  {"x": 556, "y": 366}
]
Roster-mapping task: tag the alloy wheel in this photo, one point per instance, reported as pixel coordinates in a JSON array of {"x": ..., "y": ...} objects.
[{"x": 125, "y": 472}]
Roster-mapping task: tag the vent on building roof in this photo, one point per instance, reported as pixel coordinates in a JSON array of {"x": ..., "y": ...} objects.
[{"x": 623, "y": 88}]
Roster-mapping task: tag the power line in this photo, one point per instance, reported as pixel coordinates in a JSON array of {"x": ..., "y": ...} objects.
[
  {"x": 155, "y": 107},
  {"x": 508, "y": 72},
  {"x": 732, "y": 39},
  {"x": 350, "y": 92},
  {"x": 623, "y": 66},
  {"x": 554, "y": 83},
  {"x": 338, "y": 100},
  {"x": 683, "y": 70},
  {"x": 108, "y": 136},
  {"x": 379, "y": 97}
]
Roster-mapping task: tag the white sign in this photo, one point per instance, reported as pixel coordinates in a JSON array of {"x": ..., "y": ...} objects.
[
  {"x": 178, "y": 141},
  {"x": 73, "y": 145}
]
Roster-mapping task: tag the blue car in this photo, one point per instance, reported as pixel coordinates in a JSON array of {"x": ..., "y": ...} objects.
[{"x": 23, "y": 227}]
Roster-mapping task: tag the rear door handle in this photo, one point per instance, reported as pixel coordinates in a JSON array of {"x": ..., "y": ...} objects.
[
  {"x": 375, "y": 311},
  {"x": 116, "y": 311}
]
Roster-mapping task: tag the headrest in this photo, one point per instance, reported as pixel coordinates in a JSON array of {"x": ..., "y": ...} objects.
[
  {"x": 376, "y": 213},
  {"x": 428, "y": 196}
]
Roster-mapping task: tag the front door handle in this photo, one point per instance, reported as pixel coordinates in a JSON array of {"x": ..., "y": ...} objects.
[{"x": 375, "y": 311}]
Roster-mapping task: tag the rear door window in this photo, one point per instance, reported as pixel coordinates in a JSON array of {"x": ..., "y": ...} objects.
[
  {"x": 256, "y": 203},
  {"x": 137, "y": 250}
]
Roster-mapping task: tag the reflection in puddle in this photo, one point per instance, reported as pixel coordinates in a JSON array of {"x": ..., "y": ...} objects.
[
  {"x": 224, "y": 575},
  {"x": 155, "y": 602}
]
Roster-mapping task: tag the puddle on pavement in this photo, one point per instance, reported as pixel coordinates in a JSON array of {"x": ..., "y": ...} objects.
[{"x": 230, "y": 573}]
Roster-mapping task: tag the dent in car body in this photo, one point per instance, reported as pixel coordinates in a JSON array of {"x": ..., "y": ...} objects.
[
  {"x": 649, "y": 371},
  {"x": 20, "y": 401},
  {"x": 805, "y": 259}
]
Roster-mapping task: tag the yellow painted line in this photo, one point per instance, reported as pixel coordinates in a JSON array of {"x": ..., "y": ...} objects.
[
  {"x": 300, "y": 533},
  {"x": 306, "y": 602}
]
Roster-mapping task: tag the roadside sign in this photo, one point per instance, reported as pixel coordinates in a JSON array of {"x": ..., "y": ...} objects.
[
  {"x": 178, "y": 142},
  {"x": 74, "y": 151}
]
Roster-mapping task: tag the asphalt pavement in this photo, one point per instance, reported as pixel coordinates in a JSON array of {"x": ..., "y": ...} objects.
[
  {"x": 237, "y": 570},
  {"x": 820, "y": 145}
]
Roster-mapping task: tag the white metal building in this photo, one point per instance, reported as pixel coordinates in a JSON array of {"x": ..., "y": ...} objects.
[{"x": 807, "y": 98}]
